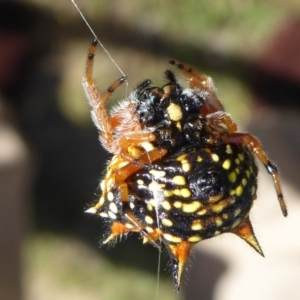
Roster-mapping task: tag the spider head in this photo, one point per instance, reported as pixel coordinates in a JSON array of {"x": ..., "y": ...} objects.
[{"x": 151, "y": 107}]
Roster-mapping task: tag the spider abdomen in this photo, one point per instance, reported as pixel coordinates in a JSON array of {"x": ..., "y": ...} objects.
[{"x": 197, "y": 193}]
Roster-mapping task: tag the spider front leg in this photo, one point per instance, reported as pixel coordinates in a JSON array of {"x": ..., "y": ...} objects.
[
  {"x": 99, "y": 114},
  {"x": 129, "y": 168},
  {"x": 202, "y": 83},
  {"x": 255, "y": 146},
  {"x": 131, "y": 144},
  {"x": 220, "y": 125}
]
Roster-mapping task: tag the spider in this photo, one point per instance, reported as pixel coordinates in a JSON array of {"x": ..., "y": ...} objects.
[{"x": 181, "y": 172}]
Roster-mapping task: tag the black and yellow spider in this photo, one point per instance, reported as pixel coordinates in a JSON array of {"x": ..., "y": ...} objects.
[{"x": 180, "y": 172}]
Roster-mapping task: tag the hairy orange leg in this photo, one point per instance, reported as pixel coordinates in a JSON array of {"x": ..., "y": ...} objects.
[
  {"x": 128, "y": 144},
  {"x": 255, "y": 146},
  {"x": 220, "y": 125},
  {"x": 123, "y": 173},
  {"x": 100, "y": 116},
  {"x": 201, "y": 82}
]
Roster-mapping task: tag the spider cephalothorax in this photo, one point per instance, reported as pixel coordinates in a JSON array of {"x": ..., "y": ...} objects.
[
  {"x": 181, "y": 172},
  {"x": 170, "y": 113}
]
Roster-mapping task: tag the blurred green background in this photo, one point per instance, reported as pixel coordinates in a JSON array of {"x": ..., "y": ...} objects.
[{"x": 223, "y": 39}]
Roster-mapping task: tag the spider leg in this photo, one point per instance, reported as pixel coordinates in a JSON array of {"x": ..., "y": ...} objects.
[
  {"x": 197, "y": 80},
  {"x": 202, "y": 83},
  {"x": 255, "y": 146},
  {"x": 220, "y": 125},
  {"x": 128, "y": 141},
  {"x": 173, "y": 86},
  {"x": 132, "y": 167},
  {"x": 170, "y": 75},
  {"x": 99, "y": 113}
]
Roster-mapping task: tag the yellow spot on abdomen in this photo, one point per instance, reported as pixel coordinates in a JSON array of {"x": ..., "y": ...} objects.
[
  {"x": 172, "y": 238},
  {"x": 239, "y": 190},
  {"x": 157, "y": 174},
  {"x": 168, "y": 193},
  {"x": 219, "y": 207},
  {"x": 237, "y": 212},
  {"x": 218, "y": 222},
  {"x": 228, "y": 149},
  {"x": 176, "y": 192},
  {"x": 140, "y": 182},
  {"x": 185, "y": 193},
  {"x": 166, "y": 205},
  {"x": 215, "y": 157},
  {"x": 232, "y": 177},
  {"x": 177, "y": 204},
  {"x": 167, "y": 222},
  {"x": 236, "y": 223},
  {"x": 179, "y": 180},
  {"x": 149, "y": 207},
  {"x": 237, "y": 161},
  {"x": 191, "y": 207},
  {"x": 112, "y": 215},
  {"x": 185, "y": 165},
  {"x": 181, "y": 157},
  {"x": 103, "y": 215},
  {"x": 244, "y": 182},
  {"x": 128, "y": 225},
  {"x": 241, "y": 157},
  {"x": 149, "y": 229},
  {"x": 214, "y": 199},
  {"x": 226, "y": 164},
  {"x": 149, "y": 220},
  {"x": 194, "y": 239},
  {"x": 110, "y": 196},
  {"x": 202, "y": 212},
  {"x": 196, "y": 225},
  {"x": 113, "y": 207}
]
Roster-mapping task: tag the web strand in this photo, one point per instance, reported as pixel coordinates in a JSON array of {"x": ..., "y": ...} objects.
[
  {"x": 96, "y": 37},
  {"x": 123, "y": 74}
]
